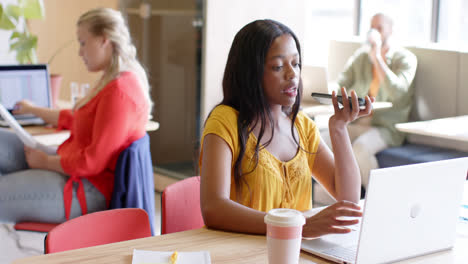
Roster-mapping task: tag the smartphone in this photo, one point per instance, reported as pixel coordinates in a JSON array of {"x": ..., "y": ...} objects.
[{"x": 327, "y": 99}]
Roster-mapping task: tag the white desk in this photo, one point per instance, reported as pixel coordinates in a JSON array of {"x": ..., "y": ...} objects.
[
  {"x": 313, "y": 109},
  {"x": 51, "y": 137},
  {"x": 449, "y": 132},
  {"x": 322, "y": 112}
]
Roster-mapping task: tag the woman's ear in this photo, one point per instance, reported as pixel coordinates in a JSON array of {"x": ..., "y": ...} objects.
[
  {"x": 105, "y": 41},
  {"x": 107, "y": 44}
]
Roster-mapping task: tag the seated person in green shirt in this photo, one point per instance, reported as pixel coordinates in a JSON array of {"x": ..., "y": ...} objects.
[{"x": 385, "y": 71}]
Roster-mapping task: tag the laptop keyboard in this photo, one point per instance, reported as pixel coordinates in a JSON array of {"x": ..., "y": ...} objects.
[
  {"x": 347, "y": 254},
  {"x": 23, "y": 117}
]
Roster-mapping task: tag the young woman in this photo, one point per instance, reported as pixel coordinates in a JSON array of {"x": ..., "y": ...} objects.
[
  {"x": 80, "y": 178},
  {"x": 260, "y": 152}
]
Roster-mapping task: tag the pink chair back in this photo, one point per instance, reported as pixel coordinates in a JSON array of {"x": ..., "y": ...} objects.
[
  {"x": 98, "y": 228},
  {"x": 180, "y": 204}
]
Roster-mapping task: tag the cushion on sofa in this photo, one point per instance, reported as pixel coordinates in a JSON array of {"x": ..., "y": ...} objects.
[{"x": 415, "y": 153}]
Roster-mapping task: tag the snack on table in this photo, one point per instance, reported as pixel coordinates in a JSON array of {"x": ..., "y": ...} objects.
[{"x": 174, "y": 257}]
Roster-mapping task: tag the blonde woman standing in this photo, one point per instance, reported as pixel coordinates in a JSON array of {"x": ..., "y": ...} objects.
[{"x": 35, "y": 186}]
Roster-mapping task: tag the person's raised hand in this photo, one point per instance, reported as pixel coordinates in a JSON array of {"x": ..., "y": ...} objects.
[
  {"x": 375, "y": 40},
  {"x": 346, "y": 113},
  {"x": 334, "y": 219},
  {"x": 23, "y": 107}
]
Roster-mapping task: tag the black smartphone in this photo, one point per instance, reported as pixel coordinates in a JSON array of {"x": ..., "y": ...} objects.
[{"x": 327, "y": 99}]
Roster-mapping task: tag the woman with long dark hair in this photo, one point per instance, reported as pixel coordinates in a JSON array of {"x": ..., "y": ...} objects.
[{"x": 260, "y": 152}]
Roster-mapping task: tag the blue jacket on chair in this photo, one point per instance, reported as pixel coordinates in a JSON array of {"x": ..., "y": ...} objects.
[{"x": 133, "y": 182}]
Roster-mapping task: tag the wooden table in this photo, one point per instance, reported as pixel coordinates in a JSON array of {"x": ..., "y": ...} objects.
[{"x": 224, "y": 247}]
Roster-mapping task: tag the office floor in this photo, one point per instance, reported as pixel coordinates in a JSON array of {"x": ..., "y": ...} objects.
[{"x": 21, "y": 244}]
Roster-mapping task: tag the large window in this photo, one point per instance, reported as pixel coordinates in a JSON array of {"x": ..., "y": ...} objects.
[
  {"x": 416, "y": 22},
  {"x": 332, "y": 19},
  {"x": 412, "y": 18},
  {"x": 453, "y": 23}
]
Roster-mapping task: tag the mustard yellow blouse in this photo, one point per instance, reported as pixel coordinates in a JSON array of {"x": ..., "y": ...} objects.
[{"x": 273, "y": 183}]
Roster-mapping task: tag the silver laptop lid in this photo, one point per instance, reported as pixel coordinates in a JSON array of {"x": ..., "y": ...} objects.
[
  {"x": 29, "y": 82},
  {"x": 314, "y": 80},
  {"x": 411, "y": 210}
]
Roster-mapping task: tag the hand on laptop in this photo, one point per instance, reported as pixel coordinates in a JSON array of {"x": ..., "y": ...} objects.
[
  {"x": 331, "y": 220},
  {"x": 23, "y": 107}
]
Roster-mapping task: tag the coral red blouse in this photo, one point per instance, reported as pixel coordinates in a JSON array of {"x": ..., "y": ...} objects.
[{"x": 99, "y": 131}]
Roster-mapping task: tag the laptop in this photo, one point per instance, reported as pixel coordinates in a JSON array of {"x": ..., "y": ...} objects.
[
  {"x": 24, "y": 136},
  {"x": 409, "y": 211},
  {"x": 18, "y": 82},
  {"x": 314, "y": 80}
]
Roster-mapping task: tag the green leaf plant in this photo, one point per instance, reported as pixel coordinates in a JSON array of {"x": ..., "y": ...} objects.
[{"x": 14, "y": 17}]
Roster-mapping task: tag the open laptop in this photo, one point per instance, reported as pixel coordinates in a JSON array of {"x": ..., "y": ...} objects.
[
  {"x": 314, "y": 80},
  {"x": 409, "y": 211},
  {"x": 18, "y": 82}
]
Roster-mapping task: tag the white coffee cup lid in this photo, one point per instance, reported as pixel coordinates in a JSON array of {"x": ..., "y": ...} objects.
[{"x": 284, "y": 217}]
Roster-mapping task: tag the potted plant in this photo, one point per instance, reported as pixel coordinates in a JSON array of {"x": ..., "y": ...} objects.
[{"x": 15, "y": 17}]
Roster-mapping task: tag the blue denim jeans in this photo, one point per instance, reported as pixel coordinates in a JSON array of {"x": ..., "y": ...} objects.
[{"x": 35, "y": 195}]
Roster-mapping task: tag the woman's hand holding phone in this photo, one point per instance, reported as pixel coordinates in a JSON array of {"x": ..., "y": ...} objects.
[
  {"x": 327, "y": 99},
  {"x": 350, "y": 110}
]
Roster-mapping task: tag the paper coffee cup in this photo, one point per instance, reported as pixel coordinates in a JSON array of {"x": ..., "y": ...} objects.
[{"x": 284, "y": 235}]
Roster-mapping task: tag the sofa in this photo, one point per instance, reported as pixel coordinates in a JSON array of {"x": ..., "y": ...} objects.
[{"x": 441, "y": 90}]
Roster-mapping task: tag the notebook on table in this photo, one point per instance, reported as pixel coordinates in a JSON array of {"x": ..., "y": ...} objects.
[
  {"x": 409, "y": 211},
  {"x": 168, "y": 257},
  {"x": 18, "y": 82}
]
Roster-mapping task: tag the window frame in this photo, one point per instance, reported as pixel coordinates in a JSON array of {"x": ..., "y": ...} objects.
[{"x": 434, "y": 19}]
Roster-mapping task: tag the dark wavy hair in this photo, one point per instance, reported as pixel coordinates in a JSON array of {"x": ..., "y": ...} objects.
[{"x": 243, "y": 88}]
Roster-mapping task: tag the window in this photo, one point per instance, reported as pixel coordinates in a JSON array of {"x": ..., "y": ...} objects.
[
  {"x": 412, "y": 19},
  {"x": 325, "y": 20},
  {"x": 453, "y": 23},
  {"x": 415, "y": 23}
]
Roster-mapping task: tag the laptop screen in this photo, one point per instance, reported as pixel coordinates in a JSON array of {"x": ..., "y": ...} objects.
[{"x": 18, "y": 82}]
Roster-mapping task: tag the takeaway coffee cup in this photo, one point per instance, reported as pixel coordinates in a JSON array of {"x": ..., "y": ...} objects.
[{"x": 284, "y": 235}]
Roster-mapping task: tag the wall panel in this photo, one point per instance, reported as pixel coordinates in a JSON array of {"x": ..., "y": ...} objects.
[{"x": 58, "y": 28}]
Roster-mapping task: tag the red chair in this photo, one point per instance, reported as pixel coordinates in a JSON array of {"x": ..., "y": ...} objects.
[
  {"x": 180, "y": 206},
  {"x": 133, "y": 185},
  {"x": 35, "y": 226},
  {"x": 98, "y": 228}
]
